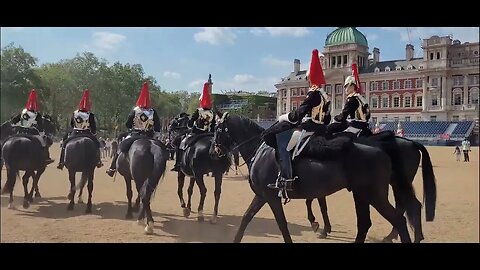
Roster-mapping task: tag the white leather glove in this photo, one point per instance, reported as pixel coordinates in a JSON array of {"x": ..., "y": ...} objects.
[{"x": 284, "y": 118}]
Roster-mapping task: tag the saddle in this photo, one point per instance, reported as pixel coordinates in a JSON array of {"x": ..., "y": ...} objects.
[
  {"x": 43, "y": 141},
  {"x": 191, "y": 139}
]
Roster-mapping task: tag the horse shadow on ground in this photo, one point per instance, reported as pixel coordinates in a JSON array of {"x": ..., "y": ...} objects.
[{"x": 190, "y": 230}]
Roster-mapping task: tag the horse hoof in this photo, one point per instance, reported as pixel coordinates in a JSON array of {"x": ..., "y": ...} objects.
[
  {"x": 135, "y": 209},
  {"x": 11, "y": 206},
  {"x": 214, "y": 220},
  {"x": 328, "y": 230},
  {"x": 149, "y": 228},
  {"x": 26, "y": 204},
  {"x": 322, "y": 234},
  {"x": 37, "y": 195},
  {"x": 387, "y": 240},
  {"x": 89, "y": 210},
  {"x": 186, "y": 212},
  {"x": 201, "y": 219},
  {"x": 315, "y": 226},
  {"x": 70, "y": 207},
  {"x": 30, "y": 199},
  {"x": 70, "y": 196},
  {"x": 129, "y": 215},
  {"x": 141, "y": 222}
]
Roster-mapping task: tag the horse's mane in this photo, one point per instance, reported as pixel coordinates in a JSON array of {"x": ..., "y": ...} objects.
[{"x": 249, "y": 123}]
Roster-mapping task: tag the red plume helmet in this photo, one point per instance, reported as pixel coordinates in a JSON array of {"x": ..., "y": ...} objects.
[
  {"x": 144, "y": 98},
  {"x": 358, "y": 87},
  {"x": 205, "y": 98},
  {"x": 85, "y": 104},
  {"x": 315, "y": 75},
  {"x": 32, "y": 104}
]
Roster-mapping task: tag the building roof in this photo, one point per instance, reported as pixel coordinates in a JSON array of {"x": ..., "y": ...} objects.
[
  {"x": 346, "y": 35},
  {"x": 393, "y": 64}
]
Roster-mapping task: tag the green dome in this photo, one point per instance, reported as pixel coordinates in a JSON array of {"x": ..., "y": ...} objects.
[{"x": 346, "y": 35}]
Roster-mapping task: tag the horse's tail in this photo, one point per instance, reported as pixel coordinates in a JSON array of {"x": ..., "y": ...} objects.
[
  {"x": 83, "y": 181},
  {"x": 429, "y": 185}
]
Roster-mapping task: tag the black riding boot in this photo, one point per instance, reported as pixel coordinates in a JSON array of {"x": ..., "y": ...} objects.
[
  {"x": 178, "y": 154},
  {"x": 285, "y": 180},
  {"x": 61, "y": 163},
  {"x": 113, "y": 166}
]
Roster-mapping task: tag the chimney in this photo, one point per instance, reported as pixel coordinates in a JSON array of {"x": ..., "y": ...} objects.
[
  {"x": 409, "y": 52},
  {"x": 376, "y": 55},
  {"x": 296, "y": 66}
]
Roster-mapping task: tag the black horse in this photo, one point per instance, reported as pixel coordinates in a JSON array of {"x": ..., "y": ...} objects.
[
  {"x": 319, "y": 177},
  {"x": 409, "y": 152},
  {"x": 81, "y": 156},
  {"x": 20, "y": 153},
  {"x": 145, "y": 163}
]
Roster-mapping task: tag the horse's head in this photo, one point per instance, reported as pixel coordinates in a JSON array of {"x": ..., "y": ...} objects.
[
  {"x": 222, "y": 139},
  {"x": 48, "y": 125}
]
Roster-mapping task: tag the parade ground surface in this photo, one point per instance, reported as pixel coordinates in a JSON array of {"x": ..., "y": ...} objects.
[{"x": 47, "y": 219}]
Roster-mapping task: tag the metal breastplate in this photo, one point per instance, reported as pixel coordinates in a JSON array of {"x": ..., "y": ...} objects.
[
  {"x": 143, "y": 119},
  {"x": 28, "y": 119},
  {"x": 317, "y": 114},
  {"x": 360, "y": 115},
  {"x": 204, "y": 120},
  {"x": 81, "y": 120}
]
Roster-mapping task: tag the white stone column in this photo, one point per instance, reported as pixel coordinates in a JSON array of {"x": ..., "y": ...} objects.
[
  {"x": 424, "y": 92},
  {"x": 444, "y": 92},
  {"x": 465, "y": 89}
]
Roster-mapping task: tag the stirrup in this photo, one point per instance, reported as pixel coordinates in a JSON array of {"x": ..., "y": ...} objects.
[
  {"x": 60, "y": 166},
  {"x": 111, "y": 172}
]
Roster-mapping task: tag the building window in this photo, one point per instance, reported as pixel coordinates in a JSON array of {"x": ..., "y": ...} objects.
[
  {"x": 457, "y": 80},
  {"x": 473, "y": 79},
  {"x": 434, "y": 100},
  {"x": 384, "y": 102},
  {"x": 345, "y": 57},
  {"x": 333, "y": 61},
  {"x": 364, "y": 86},
  {"x": 339, "y": 60},
  {"x": 419, "y": 83},
  {"x": 455, "y": 118},
  {"x": 284, "y": 93},
  {"x": 473, "y": 96},
  {"x": 398, "y": 68},
  {"x": 419, "y": 101},
  {"x": 373, "y": 86},
  {"x": 457, "y": 99},
  {"x": 433, "y": 118},
  {"x": 374, "y": 119},
  {"x": 431, "y": 56},
  {"x": 434, "y": 82},
  {"x": 407, "y": 118},
  {"x": 407, "y": 102},
  {"x": 338, "y": 89},
  {"x": 338, "y": 103},
  {"x": 385, "y": 85},
  {"x": 396, "y": 85},
  {"x": 438, "y": 55},
  {"x": 396, "y": 102},
  {"x": 294, "y": 106},
  {"x": 409, "y": 67},
  {"x": 395, "y": 119},
  {"x": 377, "y": 70},
  {"x": 284, "y": 107},
  {"x": 328, "y": 89},
  {"x": 293, "y": 92},
  {"x": 408, "y": 84},
  {"x": 374, "y": 102},
  {"x": 387, "y": 68},
  {"x": 384, "y": 119}
]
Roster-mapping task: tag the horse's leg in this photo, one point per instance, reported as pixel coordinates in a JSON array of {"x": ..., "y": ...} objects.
[
  {"x": 255, "y": 206},
  {"x": 396, "y": 218},
  {"x": 30, "y": 194},
  {"x": 327, "y": 228},
  {"x": 203, "y": 194},
  {"x": 80, "y": 194},
  {"x": 310, "y": 215},
  {"x": 148, "y": 189},
  {"x": 181, "y": 183},
  {"x": 136, "y": 206},
  {"x": 141, "y": 216},
  {"x": 71, "y": 194},
  {"x": 90, "y": 191},
  {"x": 26, "y": 199},
  {"x": 11, "y": 178},
  {"x": 186, "y": 211},
  {"x": 217, "y": 192},
  {"x": 362, "y": 208},
  {"x": 128, "y": 183},
  {"x": 277, "y": 209},
  {"x": 36, "y": 179},
  {"x": 400, "y": 207}
]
